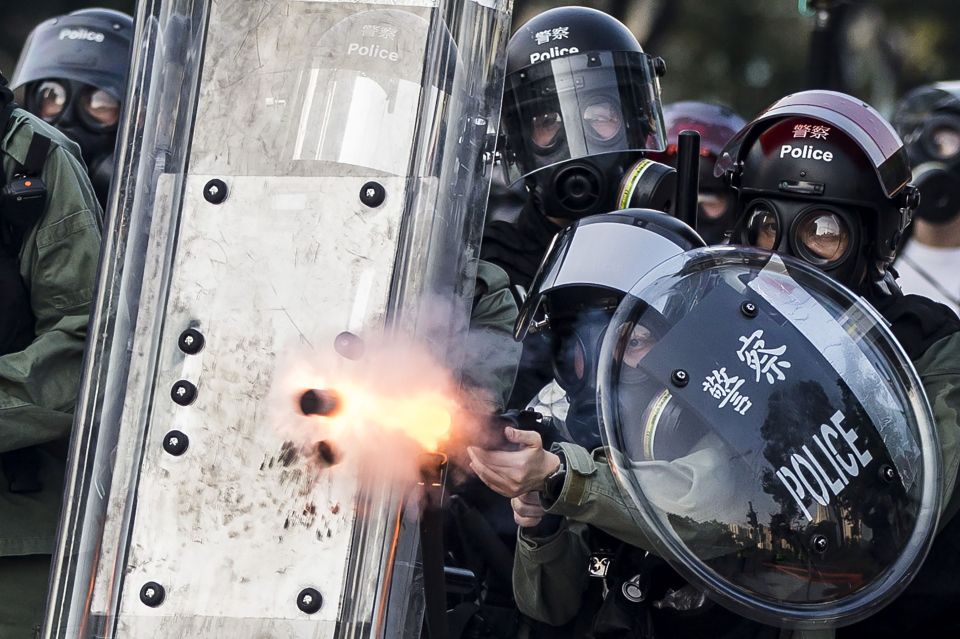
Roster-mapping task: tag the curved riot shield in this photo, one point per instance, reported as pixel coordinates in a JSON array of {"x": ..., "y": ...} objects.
[
  {"x": 773, "y": 435},
  {"x": 290, "y": 173}
]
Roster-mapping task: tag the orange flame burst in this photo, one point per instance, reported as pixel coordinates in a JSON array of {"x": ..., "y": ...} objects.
[
  {"x": 394, "y": 402},
  {"x": 424, "y": 416}
]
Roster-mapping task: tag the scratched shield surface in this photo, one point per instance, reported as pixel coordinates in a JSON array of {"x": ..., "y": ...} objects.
[
  {"x": 239, "y": 524},
  {"x": 290, "y": 170},
  {"x": 234, "y": 513},
  {"x": 772, "y": 434}
]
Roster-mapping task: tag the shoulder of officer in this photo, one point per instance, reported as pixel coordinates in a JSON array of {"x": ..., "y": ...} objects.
[{"x": 20, "y": 130}]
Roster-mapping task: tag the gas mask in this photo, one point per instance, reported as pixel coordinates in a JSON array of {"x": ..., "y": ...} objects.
[
  {"x": 823, "y": 235},
  {"x": 608, "y": 177},
  {"x": 576, "y": 356},
  {"x": 590, "y": 186},
  {"x": 571, "y": 189},
  {"x": 586, "y": 272},
  {"x": 576, "y": 127},
  {"x": 935, "y": 151},
  {"x": 716, "y": 202},
  {"x": 72, "y": 72},
  {"x": 87, "y": 115},
  {"x": 715, "y": 215},
  {"x": 821, "y": 176}
]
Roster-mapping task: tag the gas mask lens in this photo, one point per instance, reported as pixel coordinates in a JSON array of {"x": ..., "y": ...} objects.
[
  {"x": 763, "y": 227},
  {"x": 945, "y": 142},
  {"x": 51, "y": 99},
  {"x": 602, "y": 120},
  {"x": 570, "y": 365},
  {"x": 546, "y": 129},
  {"x": 99, "y": 108},
  {"x": 824, "y": 236}
]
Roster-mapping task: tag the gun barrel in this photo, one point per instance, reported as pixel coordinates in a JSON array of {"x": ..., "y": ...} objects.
[{"x": 319, "y": 402}]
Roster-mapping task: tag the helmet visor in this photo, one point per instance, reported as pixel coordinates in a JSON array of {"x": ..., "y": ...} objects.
[
  {"x": 578, "y": 106},
  {"x": 572, "y": 261},
  {"x": 715, "y": 124}
]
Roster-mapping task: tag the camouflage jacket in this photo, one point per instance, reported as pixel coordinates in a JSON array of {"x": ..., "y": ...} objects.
[{"x": 38, "y": 385}]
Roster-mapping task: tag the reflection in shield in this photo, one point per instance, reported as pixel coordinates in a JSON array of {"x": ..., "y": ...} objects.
[
  {"x": 772, "y": 435},
  {"x": 356, "y": 91},
  {"x": 354, "y": 119}
]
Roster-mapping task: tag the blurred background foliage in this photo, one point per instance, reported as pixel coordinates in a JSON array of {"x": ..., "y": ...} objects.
[{"x": 744, "y": 53}]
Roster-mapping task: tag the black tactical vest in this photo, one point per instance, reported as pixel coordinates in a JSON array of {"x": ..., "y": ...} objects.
[{"x": 16, "y": 318}]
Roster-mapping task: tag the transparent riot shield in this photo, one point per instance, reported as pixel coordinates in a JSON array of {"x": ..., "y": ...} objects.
[
  {"x": 772, "y": 434},
  {"x": 295, "y": 177}
]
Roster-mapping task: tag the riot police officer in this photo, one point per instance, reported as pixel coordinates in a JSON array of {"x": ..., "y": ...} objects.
[
  {"x": 850, "y": 233},
  {"x": 72, "y": 73},
  {"x": 50, "y": 228},
  {"x": 823, "y": 177},
  {"x": 572, "y": 302},
  {"x": 581, "y": 104},
  {"x": 928, "y": 120},
  {"x": 716, "y": 125}
]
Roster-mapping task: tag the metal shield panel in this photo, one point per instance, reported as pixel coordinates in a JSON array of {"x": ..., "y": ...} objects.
[{"x": 219, "y": 225}]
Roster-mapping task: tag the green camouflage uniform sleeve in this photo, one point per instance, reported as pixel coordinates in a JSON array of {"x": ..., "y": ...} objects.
[
  {"x": 58, "y": 262},
  {"x": 939, "y": 370},
  {"x": 492, "y": 354},
  {"x": 550, "y": 574},
  {"x": 590, "y": 494}
]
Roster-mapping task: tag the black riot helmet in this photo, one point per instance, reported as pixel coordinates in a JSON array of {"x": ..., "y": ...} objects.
[
  {"x": 73, "y": 73},
  {"x": 581, "y": 103},
  {"x": 928, "y": 120},
  {"x": 587, "y": 270},
  {"x": 716, "y": 124},
  {"x": 823, "y": 177}
]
